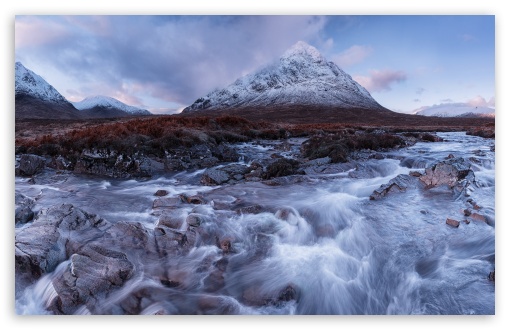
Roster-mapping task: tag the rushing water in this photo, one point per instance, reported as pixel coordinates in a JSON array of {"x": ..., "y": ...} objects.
[{"x": 338, "y": 251}]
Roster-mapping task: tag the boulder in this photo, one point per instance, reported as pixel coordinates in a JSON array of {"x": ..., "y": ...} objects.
[
  {"x": 400, "y": 183},
  {"x": 212, "y": 177},
  {"x": 91, "y": 274},
  {"x": 227, "y": 174},
  {"x": 281, "y": 167},
  {"x": 161, "y": 192},
  {"x": 24, "y": 205},
  {"x": 452, "y": 222},
  {"x": 449, "y": 172},
  {"x": 478, "y": 217},
  {"x": 30, "y": 165}
]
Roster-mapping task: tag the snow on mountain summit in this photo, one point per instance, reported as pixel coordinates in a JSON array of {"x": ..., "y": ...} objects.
[
  {"x": 301, "y": 76},
  {"x": 27, "y": 82},
  {"x": 108, "y": 102}
]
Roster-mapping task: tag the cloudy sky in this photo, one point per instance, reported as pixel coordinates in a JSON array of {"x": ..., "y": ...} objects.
[{"x": 164, "y": 63}]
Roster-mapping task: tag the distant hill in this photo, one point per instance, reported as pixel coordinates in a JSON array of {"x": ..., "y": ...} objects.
[
  {"x": 455, "y": 110},
  {"x": 107, "y": 107}
]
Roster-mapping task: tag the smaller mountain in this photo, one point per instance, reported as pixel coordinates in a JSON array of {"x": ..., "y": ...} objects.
[
  {"x": 35, "y": 98},
  {"x": 107, "y": 107},
  {"x": 455, "y": 110}
]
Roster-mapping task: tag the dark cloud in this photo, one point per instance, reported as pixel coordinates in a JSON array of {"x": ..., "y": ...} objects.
[
  {"x": 171, "y": 58},
  {"x": 420, "y": 91},
  {"x": 381, "y": 80}
]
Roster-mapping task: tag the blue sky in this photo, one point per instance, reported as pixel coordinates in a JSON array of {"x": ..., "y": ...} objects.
[{"x": 164, "y": 63}]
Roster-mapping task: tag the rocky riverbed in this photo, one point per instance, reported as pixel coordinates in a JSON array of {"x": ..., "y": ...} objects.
[{"x": 287, "y": 226}]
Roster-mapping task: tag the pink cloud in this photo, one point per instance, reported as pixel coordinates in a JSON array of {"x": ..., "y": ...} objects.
[
  {"x": 380, "y": 80},
  {"x": 33, "y": 31},
  {"x": 479, "y": 101},
  {"x": 352, "y": 55}
]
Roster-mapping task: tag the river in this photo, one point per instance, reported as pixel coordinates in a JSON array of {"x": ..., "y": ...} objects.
[{"x": 316, "y": 246}]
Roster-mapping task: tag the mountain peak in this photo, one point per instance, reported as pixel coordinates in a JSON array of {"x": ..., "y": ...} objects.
[{"x": 302, "y": 49}]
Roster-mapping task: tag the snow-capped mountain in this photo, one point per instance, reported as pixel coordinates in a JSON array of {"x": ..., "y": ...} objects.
[
  {"x": 455, "y": 110},
  {"x": 36, "y": 98},
  {"x": 302, "y": 76},
  {"x": 106, "y": 104},
  {"x": 27, "y": 82}
]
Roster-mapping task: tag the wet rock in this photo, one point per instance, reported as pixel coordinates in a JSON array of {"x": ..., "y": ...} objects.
[
  {"x": 254, "y": 174},
  {"x": 416, "y": 174},
  {"x": 24, "y": 205},
  {"x": 473, "y": 204},
  {"x": 170, "y": 221},
  {"x": 212, "y": 177},
  {"x": 225, "y": 244},
  {"x": 254, "y": 296},
  {"x": 29, "y": 165},
  {"x": 281, "y": 167},
  {"x": 217, "y": 305},
  {"x": 40, "y": 247},
  {"x": 400, "y": 183},
  {"x": 23, "y": 214},
  {"x": 168, "y": 202},
  {"x": 61, "y": 163},
  {"x": 449, "y": 172},
  {"x": 478, "y": 217},
  {"x": 467, "y": 212},
  {"x": 92, "y": 274},
  {"x": 167, "y": 241},
  {"x": 196, "y": 219},
  {"x": 250, "y": 209},
  {"x": 492, "y": 276},
  {"x": 230, "y": 173},
  {"x": 452, "y": 222},
  {"x": 450, "y": 156},
  {"x": 161, "y": 193},
  {"x": 193, "y": 199},
  {"x": 225, "y": 153},
  {"x": 112, "y": 165},
  {"x": 467, "y": 222},
  {"x": 128, "y": 236},
  {"x": 285, "y": 181}
]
